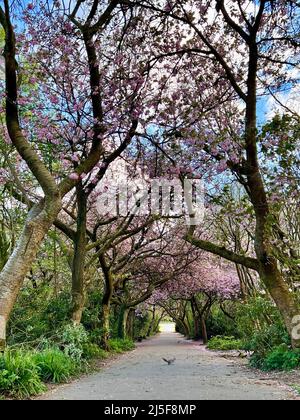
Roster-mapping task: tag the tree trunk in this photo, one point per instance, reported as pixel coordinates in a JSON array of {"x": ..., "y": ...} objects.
[
  {"x": 38, "y": 223},
  {"x": 195, "y": 319},
  {"x": 130, "y": 324},
  {"x": 283, "y": 297},
  {"x": 204, "y": 331},
  {"x": 196, "y": 328},
  {"x": 78, "y": 266},
  {"x": 184, "y": 327},
  {"x": 105, "y": 323},
  {"x": 152, "y": 323},
  {"x": 122, "y": 322},
  {"x": 106, "y": 302},
  {"x": 269, "y": 272},
  {"x": 157, "y": 322}
]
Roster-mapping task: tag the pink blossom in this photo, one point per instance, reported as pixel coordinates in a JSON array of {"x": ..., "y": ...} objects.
[{"x": 74, "y": 176}]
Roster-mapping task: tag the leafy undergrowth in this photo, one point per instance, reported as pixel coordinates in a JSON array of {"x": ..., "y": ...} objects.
[
  {"x": 296, "y": 388},
  {"x": 120, "y": 345},
  {"x": 54, "y": 366},
  {"x": 278, "y": 358},
  {"x": 225, "y": 343},
  {"x": 281, "y": 358},
  {"x": 25, "y": 372},
  {"x": 19, "y": 375}
]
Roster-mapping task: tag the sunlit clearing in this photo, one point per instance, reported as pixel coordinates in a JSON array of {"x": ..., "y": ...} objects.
[{"x": 167, "y": 327}]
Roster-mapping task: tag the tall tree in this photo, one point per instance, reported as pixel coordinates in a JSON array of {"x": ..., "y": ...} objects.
[{"x": 250, "y": 60}]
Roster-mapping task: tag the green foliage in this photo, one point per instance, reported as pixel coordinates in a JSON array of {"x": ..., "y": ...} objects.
[
  {"x": 90, "y": 316},
  {"x": 19, "y": 375},
  {"x": 95, "y": 336},
  {"x": 225, "y": 343},
  {"x": 93, "y": 351},
  {"x": 37, "y": 315},
  {"x": 296, "y": 388},
  {"x": 260, "y": 329},
  {"x": 54, "y": 365},
  {"x": 220, "y": 324},
  {"x": 74, "y": 337},
  {"x": 261, "y": 326},
  {"x": 142, "y": 324},
  {"x": 266, "y": 338},
  {"x": 264, "y": 333},
  {"x": 279, "y": 358},
  {"x": 118, "y": 345}
]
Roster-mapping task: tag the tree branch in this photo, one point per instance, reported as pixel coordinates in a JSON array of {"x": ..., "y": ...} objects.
[
  {"x": 231, "y": 22},
  {"x": 248, "y": 262},
  {"x": 22, "y": 145}
]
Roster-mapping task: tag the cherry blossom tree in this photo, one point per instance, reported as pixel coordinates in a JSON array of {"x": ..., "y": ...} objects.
[
  {"x": 76, "y": 105},
  {"x": 249, "y": 48},
  {"x": 198, "y": 287}
]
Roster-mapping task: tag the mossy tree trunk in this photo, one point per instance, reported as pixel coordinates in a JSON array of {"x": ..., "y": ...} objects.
[
  {"x": 122, "y": 321},
  {"x": 106, "y": 301},
  {"x": 78, "y": 266}
]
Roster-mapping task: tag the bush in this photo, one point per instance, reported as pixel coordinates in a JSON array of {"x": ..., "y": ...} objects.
[
  {"x": 95, "y": 336},
  {"x": 74, "y": 337},
  {"x": 54, "y": 366},
  {"x": 220, "y": 324},
  {"x": 142, "y": 323},
  {"x": 93, "y": 351},
  {"x": 37, "y": 314},
  {"x": 280, "y": 358},
  {"x": 118, "y": 345},
  {"x": 19, "y": 375},
  {"x": 265, "y": 339},
  {"x": 225, "y": 343},
  {"x": 261, "y": 326}
]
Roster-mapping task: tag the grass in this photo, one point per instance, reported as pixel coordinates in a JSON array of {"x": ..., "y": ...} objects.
[
  {"x": 54, "y": 366},
  {"x": 25, "y": 373},
  {"x": 19, "y": 375}
]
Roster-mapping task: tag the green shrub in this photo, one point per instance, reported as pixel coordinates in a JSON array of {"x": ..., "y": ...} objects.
[
  {"x": 90, "y": 316},
  {"x": 261, "y": 327},
  {"x": 118, "y": 345},
  {"x": 266, "y": 338},
  {"x": 142, "y": 323},
  {"x": 19, "y": 375},
  {"x": 225, "y": 343},
  {"x": 37, "y": 314},
  {"x": 95, "y": 336},
  {"x": 74, "y": 337},
  {"x": 54, "y": 365},
  {"x": 279, "y": 358},
  {"x": 220, "y": 324},
  {"x": 93, "y": 351}
]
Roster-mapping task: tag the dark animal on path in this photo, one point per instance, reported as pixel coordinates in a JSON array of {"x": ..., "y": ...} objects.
[{"x": 170, "y": 362}]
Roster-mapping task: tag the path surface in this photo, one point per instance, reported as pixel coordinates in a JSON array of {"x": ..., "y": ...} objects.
[{"x": 197, "y": 374}]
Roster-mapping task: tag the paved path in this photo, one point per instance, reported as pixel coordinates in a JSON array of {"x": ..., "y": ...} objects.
[{"x": 197, "y": 374}]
